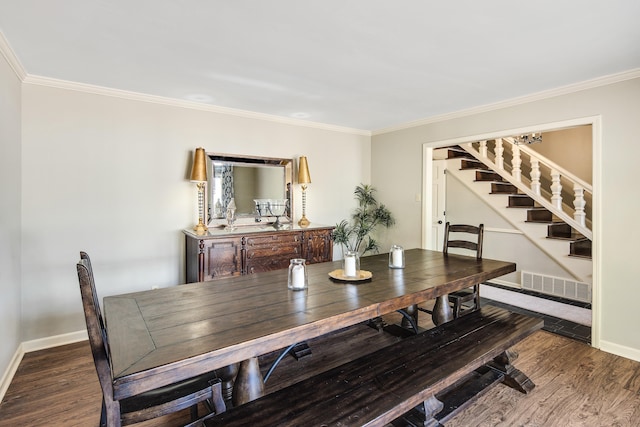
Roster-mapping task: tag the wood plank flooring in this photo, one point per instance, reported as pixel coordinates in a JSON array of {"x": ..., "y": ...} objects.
[{"x": 576, "y": 385}]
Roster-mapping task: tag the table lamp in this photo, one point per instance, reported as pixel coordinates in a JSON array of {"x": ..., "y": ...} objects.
[
  {"x": 303, "y": 178},
  {"x": 199, "y": 176}
]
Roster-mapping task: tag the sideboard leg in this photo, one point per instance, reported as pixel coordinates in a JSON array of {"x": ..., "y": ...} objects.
[{"x": 201, "y": 261}]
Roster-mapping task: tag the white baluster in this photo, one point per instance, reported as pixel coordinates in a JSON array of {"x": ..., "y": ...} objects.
[
  {"x": 499, "y": 154},
  {"x": 579, "y": 203},
  {"x": 556, "y": 189},
  {"x": 516, "y": 162},
  {"x": 535, "y": 176},
  {"x": 483, "y": 149}
]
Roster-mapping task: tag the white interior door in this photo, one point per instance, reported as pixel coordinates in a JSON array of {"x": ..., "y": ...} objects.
[{"x": 439, "y": 187}]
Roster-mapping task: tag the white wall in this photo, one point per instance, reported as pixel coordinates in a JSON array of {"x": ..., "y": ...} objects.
[
  {"x": 10, "y": 185},
  {"x": 396, "y": 172},
  {"x": 110, "y": 176}
]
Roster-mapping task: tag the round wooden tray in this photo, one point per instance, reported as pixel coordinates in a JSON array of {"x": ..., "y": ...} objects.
[{"x": 339, "y": 275}]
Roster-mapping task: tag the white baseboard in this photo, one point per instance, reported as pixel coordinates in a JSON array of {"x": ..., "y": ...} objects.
[
  {"x": 11, "y": 371},
  {"x": 34, "y": 345},
  {"x": 505, "y": 283},
  {"x": 54, "y": 341},
  {"x": 620, "y": 350}
]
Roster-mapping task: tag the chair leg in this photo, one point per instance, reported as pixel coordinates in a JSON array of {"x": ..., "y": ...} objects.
[
  {"x": 112, "y": 412},
  {"x": 216, "y": 397},
  {"x": 194, "y": 412},
  {"x": 103, "y": 415},
  {"x": 456, "y": 309}
]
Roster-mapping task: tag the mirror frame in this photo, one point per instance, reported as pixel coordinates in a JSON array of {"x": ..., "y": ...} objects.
[{"x": 243, "y": 160}]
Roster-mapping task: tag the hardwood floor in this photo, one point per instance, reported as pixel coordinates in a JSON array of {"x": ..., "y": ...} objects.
[{"x": 576, "y": 385}]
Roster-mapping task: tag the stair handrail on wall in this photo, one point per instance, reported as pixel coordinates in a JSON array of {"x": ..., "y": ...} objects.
[{"x": 574, "y": 214}]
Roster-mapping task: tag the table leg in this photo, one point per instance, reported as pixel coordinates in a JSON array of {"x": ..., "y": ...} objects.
[
  {"x": 228, "y": 375},
  {"x": 411, "y": 311},
  {"x": 442, "y": 311},
  {"x": 249, "y": 385}
]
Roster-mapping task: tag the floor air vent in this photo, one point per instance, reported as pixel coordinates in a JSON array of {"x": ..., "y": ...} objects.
[{"x": 565, "y": 288}]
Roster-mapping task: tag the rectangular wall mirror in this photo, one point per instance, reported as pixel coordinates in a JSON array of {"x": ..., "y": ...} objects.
[{"x": 245, "y": 179}]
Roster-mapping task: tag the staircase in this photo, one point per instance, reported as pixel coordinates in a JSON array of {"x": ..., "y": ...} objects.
[{"x": 489, "y": 173}]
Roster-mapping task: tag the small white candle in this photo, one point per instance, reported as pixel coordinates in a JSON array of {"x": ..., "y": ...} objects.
[
  {"x": 396, "y": 257},
  {"x": 298, "y": 277},
  {"x": 350, "y": 267}
]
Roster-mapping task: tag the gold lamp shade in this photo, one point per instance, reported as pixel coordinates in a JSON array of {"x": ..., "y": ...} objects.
[
  {"x": 199, "y": 168},
  {"x": 303, "y": 171}
]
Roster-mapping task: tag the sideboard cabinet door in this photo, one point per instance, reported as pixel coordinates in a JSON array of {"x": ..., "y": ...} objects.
[
  {"x": 318, "y": 246},
  {"x": 209, "y": 259}
]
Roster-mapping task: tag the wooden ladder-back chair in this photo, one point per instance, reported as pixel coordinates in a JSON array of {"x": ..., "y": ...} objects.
[
  {"x": 151, "y": 404},
  {"x": 465, "y": 300}
]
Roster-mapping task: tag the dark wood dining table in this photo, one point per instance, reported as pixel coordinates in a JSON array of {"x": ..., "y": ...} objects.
[{"x": 162, "y": 336}]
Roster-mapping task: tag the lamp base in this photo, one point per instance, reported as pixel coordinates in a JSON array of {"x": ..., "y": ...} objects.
[
  {"x": 304, "y": 222},
  {"x": 200, "y": 228}
]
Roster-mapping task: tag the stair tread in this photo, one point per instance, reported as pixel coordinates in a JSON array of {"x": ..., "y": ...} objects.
[{"x": 569, "y": 239}]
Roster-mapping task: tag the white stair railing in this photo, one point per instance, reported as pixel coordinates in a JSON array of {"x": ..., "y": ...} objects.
[{"x": 573, "y": 214}]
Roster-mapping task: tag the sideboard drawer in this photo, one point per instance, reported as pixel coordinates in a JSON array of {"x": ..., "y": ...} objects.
[{"x": 273, "y": 240}]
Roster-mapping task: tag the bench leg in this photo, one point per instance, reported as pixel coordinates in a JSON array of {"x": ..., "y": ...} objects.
[
  {"x": 431, "y": 407},
  {"x": 513, "y": 377}
]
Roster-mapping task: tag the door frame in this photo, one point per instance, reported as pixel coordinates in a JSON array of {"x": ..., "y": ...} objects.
[{"x": 596, "y": 141}]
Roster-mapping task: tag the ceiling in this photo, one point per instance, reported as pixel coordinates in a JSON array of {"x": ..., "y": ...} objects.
[{"x": 362, "y": 64}]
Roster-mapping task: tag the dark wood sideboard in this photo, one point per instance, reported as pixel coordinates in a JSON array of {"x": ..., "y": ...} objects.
[{"x": 247, "y": 250}]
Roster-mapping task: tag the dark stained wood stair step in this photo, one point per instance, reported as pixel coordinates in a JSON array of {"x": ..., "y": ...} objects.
[
  {"x": 540, "y": 215},
  {"x": 457, "y": 153},
  {"x": 563, "y": 231},
  {"x": 466, "y": 164},
  {"x": 503, "y": 188},
  {"x": 520, "y": 201},
  {"x": 580, "y": 248},
  {"x": 485, "y": 175}
]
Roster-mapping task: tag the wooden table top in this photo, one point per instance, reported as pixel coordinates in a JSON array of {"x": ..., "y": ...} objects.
[{"x": 162, "y": 336}]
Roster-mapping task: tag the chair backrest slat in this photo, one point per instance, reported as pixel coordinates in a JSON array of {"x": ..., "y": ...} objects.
[{"x": 475, "y": 233}]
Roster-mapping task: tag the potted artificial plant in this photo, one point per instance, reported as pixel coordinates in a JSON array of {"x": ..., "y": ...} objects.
[{"x": 357, "y": 235}]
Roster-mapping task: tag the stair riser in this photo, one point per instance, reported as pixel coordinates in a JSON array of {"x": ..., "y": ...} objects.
[
  {"x": 472, "y": 164},
  {"x": 487, "y": 176},
  {"x": 539, "y": 215},
  {"x": 498, "y": 188},
  {"x": 521, "y": 202},
  {"x": 581, "y": 248}
]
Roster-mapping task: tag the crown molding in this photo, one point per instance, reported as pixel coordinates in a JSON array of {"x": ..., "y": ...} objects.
[
  {"x": 564, "y": 90},
  {"x": 10, "y": 56},
  {"x": 174, "y": 102}
]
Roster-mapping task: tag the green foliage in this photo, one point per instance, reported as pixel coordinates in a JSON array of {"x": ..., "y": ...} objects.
[{"x": 357, "y": 234}]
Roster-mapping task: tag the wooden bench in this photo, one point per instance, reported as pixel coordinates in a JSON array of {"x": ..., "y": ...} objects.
[{"x": 376, "y": 389}]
